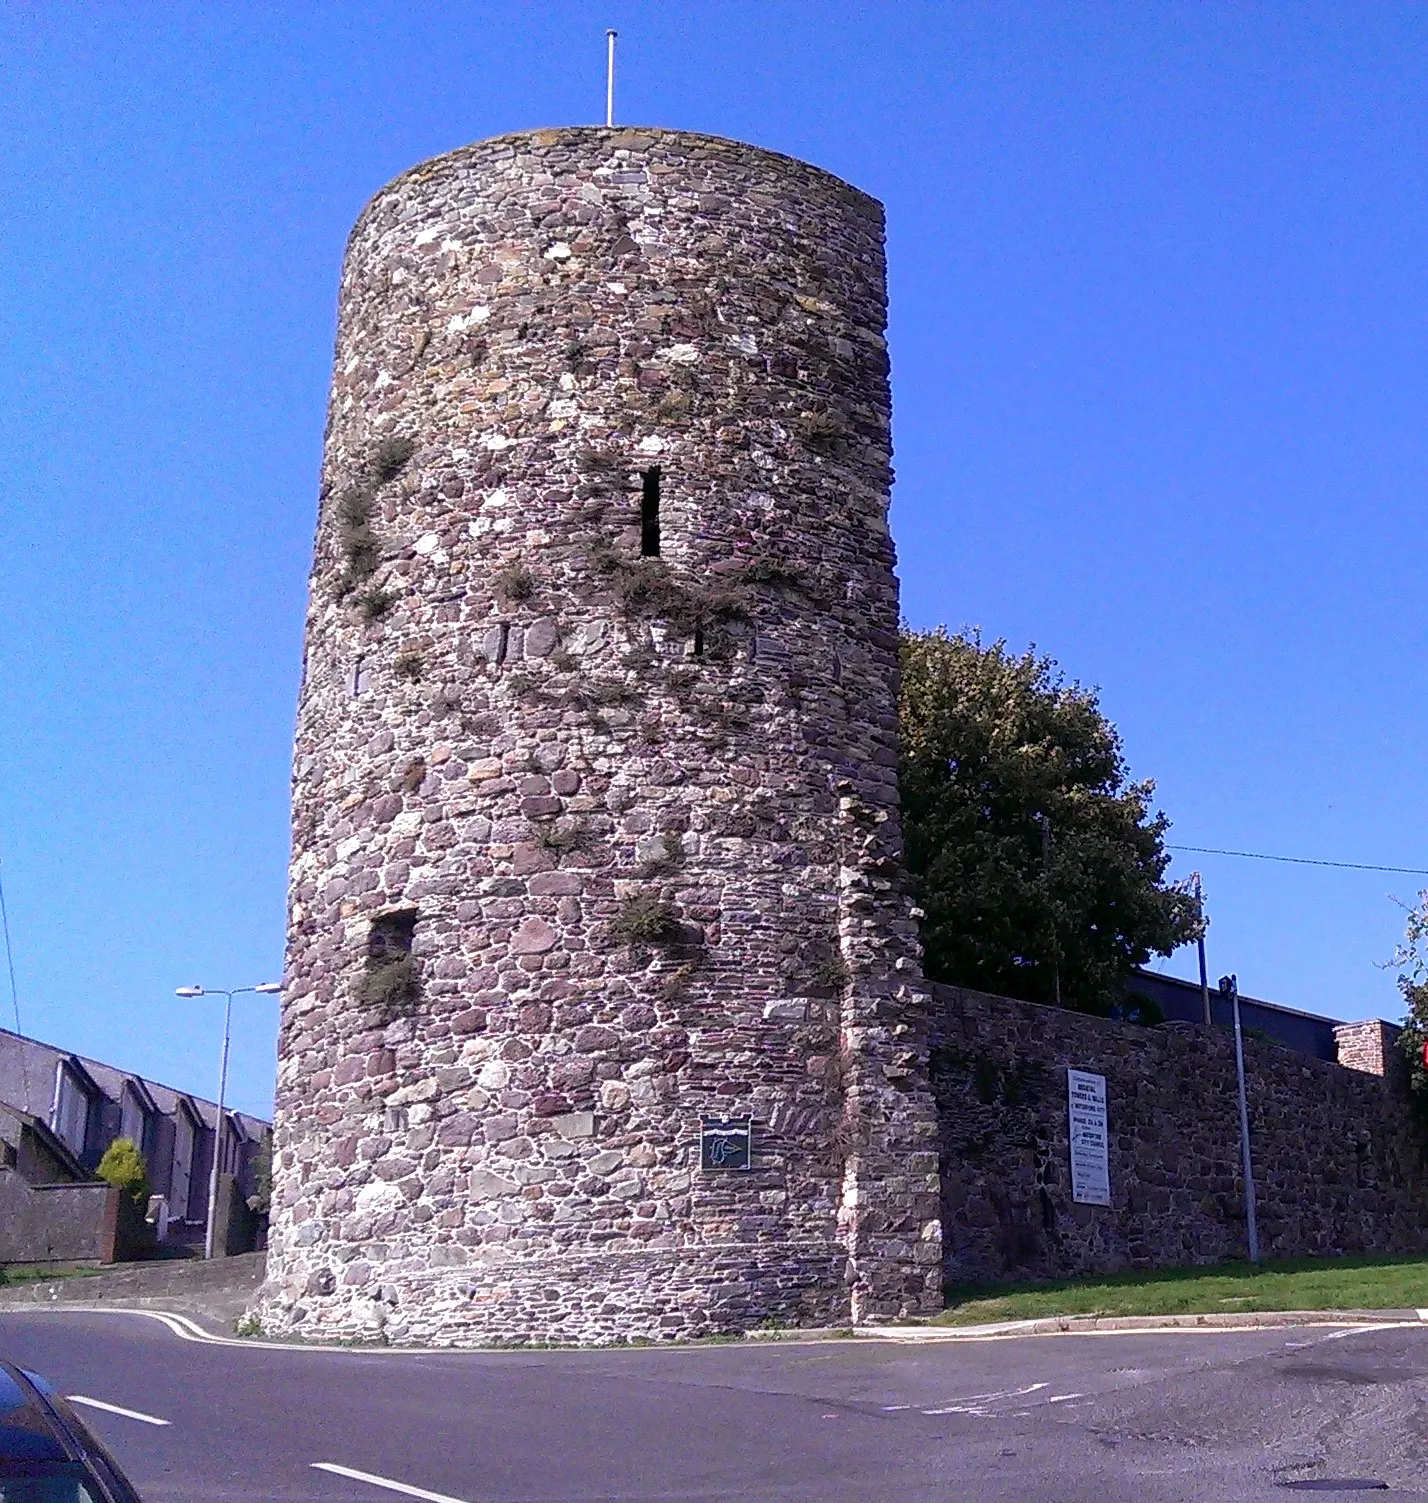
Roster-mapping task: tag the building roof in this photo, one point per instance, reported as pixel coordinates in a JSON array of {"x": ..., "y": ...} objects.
[{"x": 27, "y": 1081}]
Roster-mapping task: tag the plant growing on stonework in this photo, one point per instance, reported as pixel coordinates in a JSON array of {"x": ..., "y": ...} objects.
[
  {"x": 645, "y": 920},
  {"x": 821, "y": 431},
  {"x": 830, "y": 974},
  {"x": 773, "y": 571},
  {"x": 1038, "y": 862},
  {"x": 516, "y": 583},
  {"x": 391, "y": 984},
  {"x": 390, "y": 458},
  {"x": 375, "y": 604},
  {"x": 409, "y": 666},
  {"x": 361, "y": 550},
  {"x": 123, "y": 1166}
]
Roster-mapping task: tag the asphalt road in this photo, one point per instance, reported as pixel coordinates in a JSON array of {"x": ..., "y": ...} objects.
[{"x": 1066, "y": 1419}]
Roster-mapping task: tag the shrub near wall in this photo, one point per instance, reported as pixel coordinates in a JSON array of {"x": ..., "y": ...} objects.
[{"x": 1336, "y": 1158}]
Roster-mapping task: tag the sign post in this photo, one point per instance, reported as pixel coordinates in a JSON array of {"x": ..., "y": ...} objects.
[{"x": 1090, "y": 1141}]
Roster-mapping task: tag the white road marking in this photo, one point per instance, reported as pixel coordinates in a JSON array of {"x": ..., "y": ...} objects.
[
  {"x": 387, "y": 1482},
  {"x": 1065, "y": 1398},
  {"x": 976, "y": 1403},
  {"x": 133, "y": 1414},
  {"x": 1421, "y": 1314}
]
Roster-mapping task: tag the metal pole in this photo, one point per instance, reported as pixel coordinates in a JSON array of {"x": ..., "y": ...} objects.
[
  {"x": 1045, "y": 822},
  {"x": 610, "y": 78},
  {"x": 1231, "y": 985},
  {"x": 218, "y": 1129},
  {"x": 1204, "y": 975}
]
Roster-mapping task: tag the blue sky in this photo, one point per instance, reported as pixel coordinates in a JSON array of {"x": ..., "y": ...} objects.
[{"x": 1159, "y": 318}]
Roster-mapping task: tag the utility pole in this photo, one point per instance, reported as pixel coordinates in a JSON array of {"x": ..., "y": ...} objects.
[
  {"x": 1044, "y": 821},
  {"x": 1200, "y": 943},
  {"x": 1230, "y": 987},
  {"x": 610, "y": 77}
]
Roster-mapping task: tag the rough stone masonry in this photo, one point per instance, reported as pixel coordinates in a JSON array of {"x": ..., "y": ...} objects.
[{"x": 595, "y": 834}]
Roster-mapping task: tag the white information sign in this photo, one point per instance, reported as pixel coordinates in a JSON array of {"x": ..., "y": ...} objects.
[{"x": 1090, "y": 1149}]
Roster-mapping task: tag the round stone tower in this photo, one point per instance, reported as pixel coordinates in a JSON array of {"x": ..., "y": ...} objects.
[{"x": 604, "y": 1016}]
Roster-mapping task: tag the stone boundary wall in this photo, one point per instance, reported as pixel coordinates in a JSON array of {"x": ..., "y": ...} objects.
[
  {"x": 1337, "y": 1162},
  {"x": 60, "y": 1223}
]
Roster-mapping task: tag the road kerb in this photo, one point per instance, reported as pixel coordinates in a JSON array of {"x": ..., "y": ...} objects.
[{"x": 1071, "y": 1325}]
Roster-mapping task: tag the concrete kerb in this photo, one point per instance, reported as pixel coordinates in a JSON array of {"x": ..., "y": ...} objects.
[
  {"x": 1091, "y": 1325},
  {"x": 187, "y": 1328}
]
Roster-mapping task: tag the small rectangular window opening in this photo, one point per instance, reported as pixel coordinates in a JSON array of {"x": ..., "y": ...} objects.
[
  {"x": 504, "y": 645},
  {"x": 649, "y": 513},
  {"x": 699, "y": 640},
  {"x": 391, "y": 936}
]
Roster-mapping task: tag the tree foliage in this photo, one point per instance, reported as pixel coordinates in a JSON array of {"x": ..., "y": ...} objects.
[
  {"x": 996, "y": 749},
  {"x": 123, "y": 1165},
  {"x": 1411, "y": 961}
]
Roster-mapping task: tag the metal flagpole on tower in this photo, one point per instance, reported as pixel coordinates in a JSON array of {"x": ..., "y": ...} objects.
[{"x": 610, "y": 78}]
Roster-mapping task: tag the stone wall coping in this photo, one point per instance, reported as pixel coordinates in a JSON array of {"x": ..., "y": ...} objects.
[{"x": 942, "y": 991}]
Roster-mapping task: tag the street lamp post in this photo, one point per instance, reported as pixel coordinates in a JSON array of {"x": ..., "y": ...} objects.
[
  {"x": 1230, "y": 987},
  {"x": 268, "y": 988}
]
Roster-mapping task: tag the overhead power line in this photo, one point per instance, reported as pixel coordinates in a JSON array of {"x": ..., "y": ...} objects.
[
  {"x": 9, "y": 958},
  {"x": 1353, "y": 866}
]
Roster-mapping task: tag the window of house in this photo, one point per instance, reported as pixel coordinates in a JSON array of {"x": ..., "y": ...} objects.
[
  {"x": 71, "y": 1113},
  {"x": 181, "y": 1180}
]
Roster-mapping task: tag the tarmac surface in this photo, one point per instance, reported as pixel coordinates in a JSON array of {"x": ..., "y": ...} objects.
[{"x": 1259, "y": 1414}]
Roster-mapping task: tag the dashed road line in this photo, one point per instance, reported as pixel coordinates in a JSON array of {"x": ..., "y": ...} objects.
[
  {"x": 391, "y": 1485},
  {"x": 1064, "y": 1398},
  {"x": 133, "y": 1414}
]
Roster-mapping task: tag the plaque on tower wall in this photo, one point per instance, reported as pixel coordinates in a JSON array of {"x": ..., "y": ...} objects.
[
  {"x": 725, "y": 1145},
  {"x": 1090, "y": 1144}
]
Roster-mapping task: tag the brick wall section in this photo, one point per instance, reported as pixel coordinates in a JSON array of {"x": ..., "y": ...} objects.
[
  {"x": 1337, "y": 1164},
  {"x": 1367, "y": 1046},
  {"x": 494, "y": 733}
]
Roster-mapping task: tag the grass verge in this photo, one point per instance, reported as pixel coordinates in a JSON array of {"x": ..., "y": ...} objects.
[
  {"x": 1393, "y": 1283},
  {"x": 30, "y": 1273}
]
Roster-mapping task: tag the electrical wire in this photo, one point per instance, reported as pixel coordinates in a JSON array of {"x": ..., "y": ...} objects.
[
  {"x": 1353, "y": 866},
  {"x": 10, "y": 959}
]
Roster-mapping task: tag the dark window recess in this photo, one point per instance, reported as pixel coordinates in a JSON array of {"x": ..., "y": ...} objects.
[
  {"x": 837, "y": 667},
  {"x": 504, "y": 645},
  {"x": 649, "y": 513},
  {"x": 699, "y": 640},
  {"x": 391, "y": 936}
]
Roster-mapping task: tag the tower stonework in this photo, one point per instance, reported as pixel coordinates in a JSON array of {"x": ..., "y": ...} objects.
[{"x": 595, "y": 830}]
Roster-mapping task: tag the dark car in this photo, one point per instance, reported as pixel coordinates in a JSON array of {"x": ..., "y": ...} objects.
[{"x": 46, "y": 1453}]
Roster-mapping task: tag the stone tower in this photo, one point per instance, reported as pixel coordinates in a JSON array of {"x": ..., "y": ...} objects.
[{"x": 595, "y": 891}]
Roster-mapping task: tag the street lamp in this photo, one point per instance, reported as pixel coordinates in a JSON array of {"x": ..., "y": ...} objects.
[{"x": 268, "y": 988}]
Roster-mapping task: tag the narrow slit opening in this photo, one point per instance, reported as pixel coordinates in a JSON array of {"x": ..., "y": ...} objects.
[
  {"x": 699, "y": 640},
  {"x": 503, "y": 646},
  {"x": 649, "y": 513}
]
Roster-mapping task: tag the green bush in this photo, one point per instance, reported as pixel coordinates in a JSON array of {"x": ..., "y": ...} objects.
[{"x": 123, "y": 1166}]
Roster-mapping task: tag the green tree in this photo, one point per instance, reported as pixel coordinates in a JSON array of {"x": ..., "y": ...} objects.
[
  {"x": 1411, "y": 960},
  {"x": 123, "y": 1165},
  {"x": 1040, "y": 867}
]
